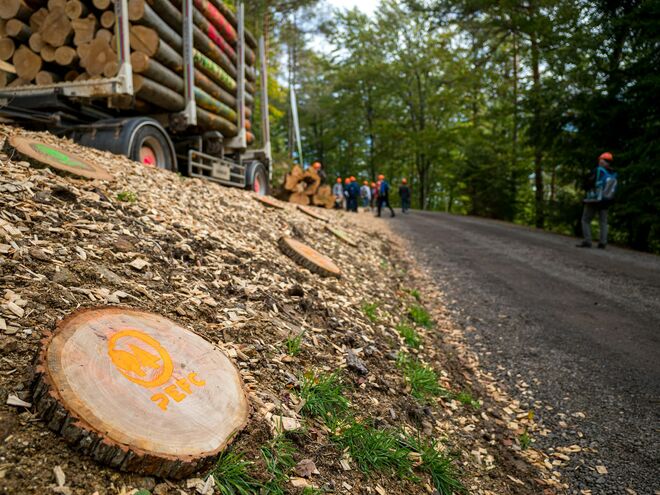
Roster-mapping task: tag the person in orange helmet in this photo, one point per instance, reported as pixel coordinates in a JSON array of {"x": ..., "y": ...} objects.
[
  {"x": 601, "y": 186},
  {"x": 318, "y": 167},
  {"x": 347, "y": 199},
  {"x": 384, "y": 195},
  {"x": 374, "y": 194},
  {"x": 338, "y": 193},
  {"x": 365, "y": 194},
  {"x": 404, "y": 194}
]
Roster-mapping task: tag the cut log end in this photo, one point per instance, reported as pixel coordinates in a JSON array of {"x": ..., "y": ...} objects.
[
  {"x": 177, "y": 400},
  {"x": 308, "y": 257}
]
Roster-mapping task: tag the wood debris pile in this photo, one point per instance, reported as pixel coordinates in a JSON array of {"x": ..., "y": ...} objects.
[
  {"x": 305, "y": 188},
  {"x": 207, "y": 257}
]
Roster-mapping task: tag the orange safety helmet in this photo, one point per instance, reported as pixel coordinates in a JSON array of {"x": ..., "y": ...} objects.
[
  {"x": 373, "y": 184},
  {"x": 366, "y": 183},
  {"x": 347, "y": 180},
  {"x": 338, "y": 180},
  {"x": 316, "y": 165},
  {"x": 606, "y": 156},
  {"x": 404, "y": 181},
  {"x": 381, "y": 177},
  {"x": 352, "y": 179}
]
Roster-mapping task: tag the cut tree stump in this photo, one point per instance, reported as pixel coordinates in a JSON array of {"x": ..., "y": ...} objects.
[
  {"x": 269, "y": 201},
  {"x": 342, "y": 235},
  {"x": 312, "y": 213},
  {"x": 309, "y": 258},
  {"x": 42, "y": 154},
  {"x": 138, "y": 392}
]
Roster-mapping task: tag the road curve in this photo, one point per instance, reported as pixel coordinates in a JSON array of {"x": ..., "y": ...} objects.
[{"x": 580, "y": 326}]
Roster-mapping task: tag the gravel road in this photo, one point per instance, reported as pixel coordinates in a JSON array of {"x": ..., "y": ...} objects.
[{"x": 573, "y": 333}]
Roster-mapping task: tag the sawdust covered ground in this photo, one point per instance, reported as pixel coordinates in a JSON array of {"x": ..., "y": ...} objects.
[{"x": 207, "y": 257}]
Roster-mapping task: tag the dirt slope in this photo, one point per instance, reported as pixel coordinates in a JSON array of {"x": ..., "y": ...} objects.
[{"x": 210, "y": 261}]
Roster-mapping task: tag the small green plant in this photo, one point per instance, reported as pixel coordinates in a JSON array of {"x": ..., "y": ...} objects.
[
  {"x": 127, "y": 196},
  {"x": 465, "y": 398},
  {"x": 232, "y": 477},
  {"x": 323, "y": 396},
  {"x": 422, "y": 379},
  {"x": 374, "y": 449},
  {"x": 278, "y": 456},
  {"x": 370, "y": 311},
  {"x": 439, "y": 466},
  {"x": 415, "y": 293},
  {"x": 310, "y": 490},
  {"x": 525, "y": 440},
  {"x": 410, "y": 337},
  {"x": 294, "y": 344},
  {"x": 420, "y": 316}
]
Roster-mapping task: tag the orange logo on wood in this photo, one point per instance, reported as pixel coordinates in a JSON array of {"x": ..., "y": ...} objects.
[{"x": 140, "y": 358}]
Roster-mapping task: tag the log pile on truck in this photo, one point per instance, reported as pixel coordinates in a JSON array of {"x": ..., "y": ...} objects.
[{"x": 52, "y": 41}]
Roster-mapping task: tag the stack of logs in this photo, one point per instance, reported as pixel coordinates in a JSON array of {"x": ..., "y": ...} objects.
[
  {"x": 51, "y": 41},
  {"x": 305, "y": 188}
]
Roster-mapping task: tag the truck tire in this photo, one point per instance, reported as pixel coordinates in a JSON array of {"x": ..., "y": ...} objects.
[
  {"x": 141, "y": 139},
  {"x": 257, "y": 178}
]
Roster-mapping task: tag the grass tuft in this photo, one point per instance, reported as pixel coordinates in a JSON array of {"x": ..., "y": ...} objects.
[
  {"x": 374, "y": 449},
  {"x": 465, "y": 398},
  {"x": 410, "y": 337},
  {"x": 323, "y": 395},
  {"x": 420, "y": 316},
  {"x": 525, "y": 441},
  {"x": 294, "y": 344},
  {"x": 127, "y": 196},
  {"x": 422, "y": 379},
  {"x": 439, "y": 465},
  {"x": 278, "y": 455},
  {"x": 370, "y": 311},
  {"x": 415, "y": 293},
  {"x": 232, "y": 477}
]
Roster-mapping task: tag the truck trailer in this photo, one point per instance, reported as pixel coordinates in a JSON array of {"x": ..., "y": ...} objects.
[{"x": 168, "y": 83}]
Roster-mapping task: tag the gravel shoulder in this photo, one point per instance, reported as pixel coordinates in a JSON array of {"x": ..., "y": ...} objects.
[{"x": 574, "y": 334}]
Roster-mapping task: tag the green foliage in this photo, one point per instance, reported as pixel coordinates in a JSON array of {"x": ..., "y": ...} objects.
[
  {"x": 437, "y": 464},
  {"x": 409, "y": 335},
  {"x": 323, "y": 396},
  {"x": 127, "y": 196},
  {"x": 415, "y": 293},
  {"x": 422, "y": 379},
  {"x": 310, "y": 490},
  {"x": 294, "y": 344},
  {"x": 420, "y": 316},
  {"x": 374, "y": 449},
  {"x": 232, "y": 477},
  {"x": 278, "y": 456},
  {"x": 525, "y": 441},
  {"x": 370, "y": 310},
  {"x": 465, "y": 398}
]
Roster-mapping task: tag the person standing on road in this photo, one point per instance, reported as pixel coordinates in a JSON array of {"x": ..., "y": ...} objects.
[
  {"x": 338, "y": 193},
  {"x": 601, "y": 188},
  {"x": 404, "y": 194},
  {"x": 365, "y": 194},
  {"x": 384, "y": 195},
  {"x": 374, "y": 194},
  {"x": 347, "y": 197},
  {"x": 354, "y": 194}
]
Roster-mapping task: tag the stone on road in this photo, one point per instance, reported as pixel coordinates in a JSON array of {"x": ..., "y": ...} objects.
[{"x": 580, "y": 327}]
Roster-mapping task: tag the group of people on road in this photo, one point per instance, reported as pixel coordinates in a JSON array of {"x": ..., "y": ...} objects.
[{"x": 349, "y": 194}]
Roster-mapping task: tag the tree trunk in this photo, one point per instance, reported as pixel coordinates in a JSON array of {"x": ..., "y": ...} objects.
[{"x": 536, "y": 135}]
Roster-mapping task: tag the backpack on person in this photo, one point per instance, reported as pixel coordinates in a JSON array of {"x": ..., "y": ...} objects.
[{"x": 606, "y": 186}]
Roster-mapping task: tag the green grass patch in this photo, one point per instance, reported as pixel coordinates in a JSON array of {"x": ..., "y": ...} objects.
[
  {"x": 323, "y": 396},
  {"x": 465, "y": 398},
  {"x": 278, "y": 456},
  {"x": 415, "y": 293},
  {"x": 525, "y": 441},
  {"x": 438, "y": 465},
  {"x": 420, "y": 316},
  {"x": 232, "y": 477},
  {"x": 310, "y": 490},
  {"x": 422, "y": 379},
  {"x": 127, "y": 196},
  {"x": 410, "y": 337},
  {"x": 374, "y": 449},
  {"x": 370, "y": 311},
  {"x": 294, "y": 344}
]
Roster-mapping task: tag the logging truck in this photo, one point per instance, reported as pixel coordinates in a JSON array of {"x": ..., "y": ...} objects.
[{"x": 169, "y": 83}]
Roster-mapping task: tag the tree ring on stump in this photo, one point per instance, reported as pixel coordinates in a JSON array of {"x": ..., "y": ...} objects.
[
  {"x": 138, "y": 392},
  {"x": 342, "y": 235},
  {"x": 311, "y": 259},
  {"x": 58, "y": 158},
  {"x": 268, "y": 201},
  {"x": 308, "y": 211}
]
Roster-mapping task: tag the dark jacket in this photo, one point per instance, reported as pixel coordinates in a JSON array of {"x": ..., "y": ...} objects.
[{"x": 404, "y": 192}]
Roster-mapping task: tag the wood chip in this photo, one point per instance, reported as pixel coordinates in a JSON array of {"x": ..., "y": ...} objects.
[
  {"x": 601, "y": 469},
  {"x": 60, "y": 477},
  {"x": 13, "y": 400},
  {"x": 138, "y": 263}
]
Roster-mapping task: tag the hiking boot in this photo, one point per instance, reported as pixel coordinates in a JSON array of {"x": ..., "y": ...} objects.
[
  {"x": 602, "y": 246},
  {"x": 584, "y": 244}
]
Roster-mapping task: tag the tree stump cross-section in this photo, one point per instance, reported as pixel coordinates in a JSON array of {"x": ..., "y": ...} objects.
[
  {"x": 138, "y": 392},
  {"x": 42, "y": 154},
  {"x": 311, "y": 259},
  {"x": 342, "y": 235},
  {"x": 309, "y": 211}
]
